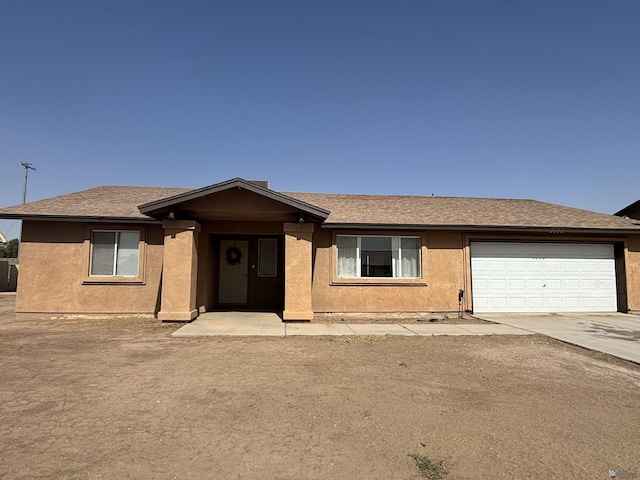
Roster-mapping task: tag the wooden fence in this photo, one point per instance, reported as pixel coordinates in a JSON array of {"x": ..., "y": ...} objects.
[{"x": 8, "y": 274}]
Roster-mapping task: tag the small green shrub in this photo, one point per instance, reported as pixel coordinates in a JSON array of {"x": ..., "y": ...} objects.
[{"x": 428, "y": 468}]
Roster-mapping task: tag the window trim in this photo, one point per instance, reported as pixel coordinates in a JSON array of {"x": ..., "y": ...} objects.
[
  {"x": 382, "y": 281},
  {"x": 113, "y": 279}
]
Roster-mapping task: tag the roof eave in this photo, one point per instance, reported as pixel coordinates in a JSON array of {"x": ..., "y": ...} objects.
[
  {"x": 79, "y": 218},
  {"x": 478, "y": 228}
]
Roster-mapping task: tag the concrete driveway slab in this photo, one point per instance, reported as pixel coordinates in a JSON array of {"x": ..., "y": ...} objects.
[{"x": 616, "y": 334}]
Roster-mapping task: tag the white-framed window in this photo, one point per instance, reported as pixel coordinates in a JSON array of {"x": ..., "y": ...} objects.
[
  {"x": 115, "y": 253},
  {"x": 267, "y": 257},
  {"x": 378, "y": 256}
]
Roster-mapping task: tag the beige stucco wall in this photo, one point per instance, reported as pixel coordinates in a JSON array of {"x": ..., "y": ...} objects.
[
  {"x": 437, "y": 291},
  {"x": 54, "y": 266},
  {"x": 54, "y": 262},
  {"x": 632, "y": 268}
]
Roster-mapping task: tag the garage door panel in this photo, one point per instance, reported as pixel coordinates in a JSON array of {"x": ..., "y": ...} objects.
[
  {"x": 570, "y": 266},
  {"x": 542, "y": 277},
  {"x": 606, "y": 284},
  {"x": 515, "y": 266},
  {"x": 553, "y": 303},
  {"x": 534, "y": 284},
  {"x": 607, "y": 304},
  {"x": 535, "y": 303},
  {"x": 571, "y": 284},
  {"x": 495, "y": 249},
  {"x": 480, "y": 285},
  {"x": 533, "y": 249},
  {"x": 498, "y": 302},
  {"x": 497, "y": 266},
  {"x": 590, "y": 303},
  {"x": 517, "y": 303},
  {"x": 514, "y": 250},
  {"x": 480, "y": 265},
  {"x": 498, "y": 284},
  {"x": 482, "y": 304},
  {"x": 594, "y": 251},
  {"x": 602, "y": 266},
  {"x": 571, "y": 303},
  {"x": 553, "y": 284},
  {"x": 533, "y": 266},
  {"x": 551, "y": 266}
]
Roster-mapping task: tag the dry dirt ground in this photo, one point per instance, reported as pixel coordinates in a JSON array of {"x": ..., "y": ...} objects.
[
  {"x": 412, "y": 318},
  {"x": 121, "y": 399}
]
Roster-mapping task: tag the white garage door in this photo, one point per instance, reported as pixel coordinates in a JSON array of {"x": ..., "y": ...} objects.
[{"x": 543, "y": 277}]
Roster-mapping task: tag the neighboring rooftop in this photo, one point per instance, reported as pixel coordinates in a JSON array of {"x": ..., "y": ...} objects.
[
  {"x": 120, "y": 203},
  {"x": 630, "y": 211}
]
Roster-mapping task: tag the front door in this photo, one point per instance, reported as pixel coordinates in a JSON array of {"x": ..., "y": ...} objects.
[{"x": 234, "y": 271}]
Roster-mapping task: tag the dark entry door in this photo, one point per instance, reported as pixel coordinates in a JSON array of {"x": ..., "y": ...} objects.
[
  {"x": 234, "y": 272},
  {"x": 251, "y": 272}
]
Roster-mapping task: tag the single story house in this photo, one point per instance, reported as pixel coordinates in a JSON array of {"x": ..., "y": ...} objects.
[{"x": 172, "y": 253}]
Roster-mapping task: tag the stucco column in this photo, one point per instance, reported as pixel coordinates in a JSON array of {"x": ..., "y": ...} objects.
[
  {"x": 632, "y": 267},
  {"x": 297, "y": 271},
  {"x": 179, "y": 270}
]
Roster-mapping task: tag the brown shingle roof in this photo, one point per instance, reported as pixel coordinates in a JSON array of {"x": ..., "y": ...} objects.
[
  {"x": 100, "y": 202},
  {"x": 394, "y": 211}
]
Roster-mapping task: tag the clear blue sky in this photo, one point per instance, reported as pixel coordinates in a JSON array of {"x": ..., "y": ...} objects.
[{"x": 521, "y": 99}]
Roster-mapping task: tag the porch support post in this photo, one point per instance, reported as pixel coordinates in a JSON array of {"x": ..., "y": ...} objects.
[
  {"x": 297, "y": 271},
  {"x": 632, "y": 267},
  {"x": 179, "y": 270}
]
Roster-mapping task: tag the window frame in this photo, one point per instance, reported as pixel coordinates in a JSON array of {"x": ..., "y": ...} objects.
[
  {"x": 408, "y": 281},
  {"x": 90, "y": 278}
]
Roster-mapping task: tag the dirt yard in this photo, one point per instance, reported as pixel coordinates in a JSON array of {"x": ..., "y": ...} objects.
[{"x": 118, "y": 400}]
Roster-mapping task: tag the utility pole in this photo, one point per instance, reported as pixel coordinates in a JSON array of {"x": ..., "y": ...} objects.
[{"x": 27, "y": 167}]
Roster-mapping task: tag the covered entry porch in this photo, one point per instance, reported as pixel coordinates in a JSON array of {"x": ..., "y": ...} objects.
[{"x": 236, "y": 246}]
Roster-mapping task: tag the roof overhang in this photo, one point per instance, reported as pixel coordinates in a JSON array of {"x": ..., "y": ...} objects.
[
  {"x": 85, "y": 218},
  {"x": 483, "y": 228},
  {"x": 158, "y": 207}
]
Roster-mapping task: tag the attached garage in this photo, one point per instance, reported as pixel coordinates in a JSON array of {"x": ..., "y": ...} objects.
[{"x": 543, "y": 277}]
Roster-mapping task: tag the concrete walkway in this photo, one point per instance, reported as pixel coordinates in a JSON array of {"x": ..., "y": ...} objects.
[
  {"x": 617, "y": 334},
  {"x": 270, "y": 325}
]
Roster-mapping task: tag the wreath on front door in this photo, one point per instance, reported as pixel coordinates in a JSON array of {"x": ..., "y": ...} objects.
[{"x": 233, "y": 255}]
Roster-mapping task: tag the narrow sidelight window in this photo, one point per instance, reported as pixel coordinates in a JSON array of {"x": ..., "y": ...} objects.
[{"x": 267, "y": 257}]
